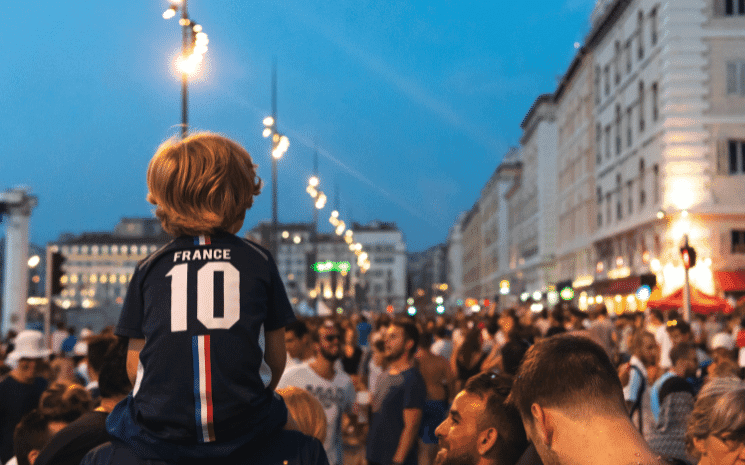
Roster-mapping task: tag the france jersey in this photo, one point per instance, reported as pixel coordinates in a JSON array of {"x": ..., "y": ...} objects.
[{"x": 203, "y": 305}]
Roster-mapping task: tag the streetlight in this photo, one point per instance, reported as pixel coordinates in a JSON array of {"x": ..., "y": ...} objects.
[
  {"x": 280, "y": 143},
  {"x": 193, "y": 47}
]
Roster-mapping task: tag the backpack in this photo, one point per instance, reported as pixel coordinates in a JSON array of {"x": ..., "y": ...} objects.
[{"x": 637, "y": 407}]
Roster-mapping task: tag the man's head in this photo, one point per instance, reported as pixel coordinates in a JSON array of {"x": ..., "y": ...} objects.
[
  {"x": 200, "y": 184},
  {"x": 31, "y": 434},
  {"x": 401, "y": 339},
  {"x": 644, "y": 346},
  {"x": 655, "y": 316},
  {"x": 98, "y": 346},
  {"x": 684, "y": 360},
  {"x": 482, "y": 424},
  {"x": 565, "y": 376},
  {"x": 679, "y": 332},
  {"x": 296, "y": 339},
  {"x": 327, "y": 338}
]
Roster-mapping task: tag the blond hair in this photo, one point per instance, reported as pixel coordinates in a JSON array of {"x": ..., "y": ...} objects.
[
  {"x": 201, "y": 184},
  {"x": 306, "y": 410}
]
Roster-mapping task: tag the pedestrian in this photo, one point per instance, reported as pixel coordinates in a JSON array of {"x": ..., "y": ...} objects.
[
  {"x": 571, "y": 403},
  {"x": 398, "y": 401},
  {"x": 21, "y": 390},
  {"x": 204, "y": 315},
  {"x": 333, "y": 388},
  {"x": 482, "y": 428}
]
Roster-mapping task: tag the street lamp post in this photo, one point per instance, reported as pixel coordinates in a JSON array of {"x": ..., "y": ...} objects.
[
  {"x": 280, "y": 144},
  {"x": 193, "y": 47}
]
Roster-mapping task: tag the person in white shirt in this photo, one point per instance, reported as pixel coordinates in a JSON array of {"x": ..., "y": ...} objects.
[
  {"x": 332, "y": 387},
  {"x": 659, "y": 328}
]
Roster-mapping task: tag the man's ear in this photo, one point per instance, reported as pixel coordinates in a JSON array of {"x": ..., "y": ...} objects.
[
  {"x": 32, "y": 455},
  {"x": 543, "y": 424},
  {"x": 486, "y": 441}
]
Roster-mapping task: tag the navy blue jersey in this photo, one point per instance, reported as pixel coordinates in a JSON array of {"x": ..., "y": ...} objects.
[{"x": 203, "y": 305}]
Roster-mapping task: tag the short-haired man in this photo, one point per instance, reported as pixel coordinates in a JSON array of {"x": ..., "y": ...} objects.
[
  {"x": 297, "y": 343},
  {"x": 571, "y": 403},
  {"x": 333, "y": 388},
  {"x": 398, "y": 400},
  {"x": 30, "y": 436},
  {"x": 481, "y": 427}
]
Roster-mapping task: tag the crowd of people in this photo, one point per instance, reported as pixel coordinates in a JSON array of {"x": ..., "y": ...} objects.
[{"x": 209, "y": 364}]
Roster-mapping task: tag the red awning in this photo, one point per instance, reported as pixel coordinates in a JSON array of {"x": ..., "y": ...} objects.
[
  {"x": 730, "y": 281},
  {"x": 700, "y": 302},
  {"x": 622, "y": 286}
]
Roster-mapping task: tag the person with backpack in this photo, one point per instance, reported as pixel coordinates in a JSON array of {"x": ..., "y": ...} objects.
[{"x": 645, "y": 354}]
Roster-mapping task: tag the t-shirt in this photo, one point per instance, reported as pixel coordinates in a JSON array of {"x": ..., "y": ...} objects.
[
  {"x": 203, "y": 305},
  {"x": 71, "y": 443},
  {"x": 336, "y": 397},
  {"x": 16, "y": 400},
  {"x": 281, "y": 447},
  {"x": 394, "y": 393}
]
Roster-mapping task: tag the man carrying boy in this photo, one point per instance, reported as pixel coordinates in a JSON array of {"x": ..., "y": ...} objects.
[{"x": 205, "y": 314}]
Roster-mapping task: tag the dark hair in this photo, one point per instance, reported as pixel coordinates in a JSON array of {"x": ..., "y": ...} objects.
[
  {"x": 568, "y": 371},
  {"x": 680, "y": 351},
  {"x": 65, "y": 403},
  {"x": 31, "y": 433},
  {"x": 512, "y": 354},
  {"x": 495, "y": 389},
  {"x": 425, "y": 340},
  {"x": 113, "y": 380},
  {"x": 411, "y": 332},
  {"x": 681, "y": 326},
  {"x": 298, "y": 328},
  {"x": 97, "y": 348},
  {"x": 656, "y": 313}
]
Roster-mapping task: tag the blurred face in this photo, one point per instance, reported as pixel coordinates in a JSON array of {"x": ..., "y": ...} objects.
[
  {"x": 691, "y": 364},
  {"x": 329, "y": 343},
  {"x": 395, "y": 343},
  {"x": 649, "y": 353},
  {"x": 457, "y": 436},
  {"x": 506, "y": 323},
  {"x": 25, "y": 370},
  {"x": 724, "y": 449},
  {"x": 294, "y": 345}
]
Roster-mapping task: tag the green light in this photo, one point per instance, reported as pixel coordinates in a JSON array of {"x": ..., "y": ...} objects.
[
  {"x": 328, "y": 265},
  {"x": 440, "y": 309}
]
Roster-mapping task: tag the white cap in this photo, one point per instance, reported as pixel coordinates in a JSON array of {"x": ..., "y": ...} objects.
[
  {"x": 28, "y": 344},
  {"x": 722, "y": 341}
]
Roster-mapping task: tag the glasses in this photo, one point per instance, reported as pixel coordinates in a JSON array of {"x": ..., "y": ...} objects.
[{"x": 332, "y": 338}]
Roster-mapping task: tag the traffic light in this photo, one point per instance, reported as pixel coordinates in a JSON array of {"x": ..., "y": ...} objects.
[
  {"x": 56, "y": 272},
  {"x": 648, "y": 279},
  {"x": 689, "y": 256},
  {"x": 565, "y": 290}
]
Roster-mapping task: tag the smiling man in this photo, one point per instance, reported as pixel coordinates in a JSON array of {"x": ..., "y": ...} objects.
[{"x": 481, "y": 428}]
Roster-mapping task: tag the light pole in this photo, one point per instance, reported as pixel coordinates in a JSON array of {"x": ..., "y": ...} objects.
[
  {"x": 193, "y": 47},
  {"x": 280, "y": 144}
]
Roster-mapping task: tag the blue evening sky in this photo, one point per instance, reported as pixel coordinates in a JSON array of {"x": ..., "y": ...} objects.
[{"x": 411, "y": 104}]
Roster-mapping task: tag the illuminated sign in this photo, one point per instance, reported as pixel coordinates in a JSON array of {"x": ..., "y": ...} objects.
[
  {"x": 644, "y": 293},
  {"x": 328, "y": 265}
]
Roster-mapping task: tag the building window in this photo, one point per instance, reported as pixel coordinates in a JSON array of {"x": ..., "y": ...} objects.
[
  {"x": 656, "y": 179},
  {"x": 608, "y": 206},
  {"x": 736, "y": 78},
  {"x": 616, "y": 65},
  {"x": 598, "y": 143},
  {"x": 627, "y": 54},
  {"x": 640, "y": 35},
  {"x": 653, "y": 26},
  {"x": 734, "y": 7},
  {"x": 629, "y": 127},
  {"x": 630, "y": 193},
  {"x": 641, "y": 106},
  {"x": 597, "y": 85},
  {"x": 607, "y": 141},
  {"x": 606, "y": 76},
  {"x": 600, "y": 195},
  {"x": 655, "y": 102},
  {"x": 619, "y": 194},
  {"x": 642, "y": 192},
  {"x": 736, "y": 156},
  {"x": 738, "y": 241},
  {"x": 618, "y": 129}
]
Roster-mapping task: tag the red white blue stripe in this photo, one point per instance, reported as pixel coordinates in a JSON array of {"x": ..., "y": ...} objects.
[
  {"x": 200, "y": 346},
  {"x": 202, "y": 240}
]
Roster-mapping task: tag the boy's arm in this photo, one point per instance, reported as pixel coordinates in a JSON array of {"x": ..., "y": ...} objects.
[
  {"x": 133, "y": 358},
  {"x": 275, "y": 354}
]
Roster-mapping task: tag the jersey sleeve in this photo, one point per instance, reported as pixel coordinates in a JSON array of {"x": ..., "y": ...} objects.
[
  {"x": 131, "y": 318},
  {"x": 280, "y": 312}
]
